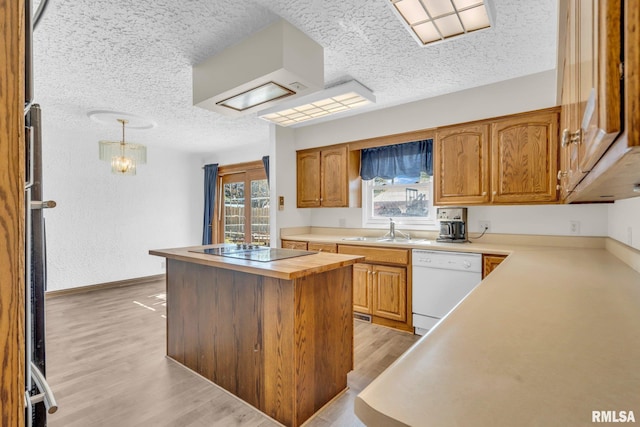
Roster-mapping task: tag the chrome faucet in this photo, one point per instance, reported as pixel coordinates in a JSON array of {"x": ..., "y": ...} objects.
[{"x": 392, "y": 229}]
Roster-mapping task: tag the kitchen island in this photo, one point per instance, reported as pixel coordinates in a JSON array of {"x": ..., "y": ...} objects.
[{"x": 278, "y": 334}]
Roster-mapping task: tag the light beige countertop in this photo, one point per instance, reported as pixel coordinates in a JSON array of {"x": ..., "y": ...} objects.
[
  {"x": 288, "y": 269},
  {"x": 550, "y": 336},
  {"x": 500, "y": 244}
]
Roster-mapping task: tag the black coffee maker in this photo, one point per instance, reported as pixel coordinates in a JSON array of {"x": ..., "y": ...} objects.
[{"x": 453, "y": 225}]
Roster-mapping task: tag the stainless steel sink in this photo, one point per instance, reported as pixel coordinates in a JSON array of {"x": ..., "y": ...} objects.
[
  {"x": 383, "y": 239},
  {"x": 399, "y": 240},
  {"x": 360, "y": 239}
]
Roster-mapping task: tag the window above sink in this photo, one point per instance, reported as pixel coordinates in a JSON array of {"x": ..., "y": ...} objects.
[{"x": 407, "y": 200}]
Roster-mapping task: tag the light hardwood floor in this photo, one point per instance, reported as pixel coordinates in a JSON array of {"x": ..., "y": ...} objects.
[{"x": 106, "y": 364}]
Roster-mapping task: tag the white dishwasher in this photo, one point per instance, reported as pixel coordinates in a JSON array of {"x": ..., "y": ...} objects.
[{"x": 440, "y": 281}]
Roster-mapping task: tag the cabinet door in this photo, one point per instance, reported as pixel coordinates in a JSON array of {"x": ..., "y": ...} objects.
[
  {"x": 490, "y": 262},
  {"x": 362, "y": 300},
  {"x": 570, "y": 105},
  {"x": 599, "y": 95},
  {"x": 390, "y": 292},
  {"x": 461, "y": 165},
  {"x": 591, "y": 86},
  {"x": 524, "y": 159},
  {"x": 308, "y": 179},
  {"x": 294, "y": 244},
  {"x": 334, "y": 182}
]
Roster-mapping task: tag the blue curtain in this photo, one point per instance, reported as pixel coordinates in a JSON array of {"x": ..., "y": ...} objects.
[
  {"x": 210, "y": 183},
  {"x": 265, "y": 162},
  {"x": 399, "y": 160}
]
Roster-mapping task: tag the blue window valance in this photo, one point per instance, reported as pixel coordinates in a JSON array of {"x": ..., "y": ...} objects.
[{"x": 406, "y": 160}]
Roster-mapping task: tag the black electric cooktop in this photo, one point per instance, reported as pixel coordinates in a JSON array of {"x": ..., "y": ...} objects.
[{"x": 252, "y": 252}]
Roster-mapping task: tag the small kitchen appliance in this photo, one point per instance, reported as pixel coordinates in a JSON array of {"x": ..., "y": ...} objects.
[{"x": 453, "y": 225}]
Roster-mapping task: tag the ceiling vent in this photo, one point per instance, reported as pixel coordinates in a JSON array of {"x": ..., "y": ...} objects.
[{"x": 276, "y": 63}]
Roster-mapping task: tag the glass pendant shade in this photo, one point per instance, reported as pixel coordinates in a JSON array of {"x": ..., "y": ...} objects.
[
  {"x": 123, "y": 165},
  {"x": 124, "y": 156}
]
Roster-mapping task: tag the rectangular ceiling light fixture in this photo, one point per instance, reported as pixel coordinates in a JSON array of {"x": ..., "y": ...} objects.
[
  {"x": 431, "y": 21},
  {"x": 336, "y": 99},
  {"x": 254, "y": 97}
]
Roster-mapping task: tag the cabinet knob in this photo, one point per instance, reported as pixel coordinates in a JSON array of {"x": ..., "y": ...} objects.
[
  {"x": 495, "y": 192},
  {"x": 558, "y": 187},
  {"x": 484, "y": 193},
  {"x": 562, "y": 174}
]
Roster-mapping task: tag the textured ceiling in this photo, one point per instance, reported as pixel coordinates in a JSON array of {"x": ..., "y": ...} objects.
[{"x": 136, "y": 57}]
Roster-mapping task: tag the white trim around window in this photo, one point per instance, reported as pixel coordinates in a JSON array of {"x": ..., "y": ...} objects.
[{"x": 369, "y": 220}]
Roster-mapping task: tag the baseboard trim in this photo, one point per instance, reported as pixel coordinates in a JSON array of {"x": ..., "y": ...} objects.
[
  {"x": 101, "y": 286},
  {"x": 625, "y": 253}
]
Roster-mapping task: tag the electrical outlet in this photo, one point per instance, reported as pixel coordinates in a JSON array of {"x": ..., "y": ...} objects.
[
  {"x": 163, "y": 264},
  {"x": 485, "y": 225},
  {"x": 629, "y": 236},
  {"x": 574, "y": 227},
  {"x": 342, "y": 222}
]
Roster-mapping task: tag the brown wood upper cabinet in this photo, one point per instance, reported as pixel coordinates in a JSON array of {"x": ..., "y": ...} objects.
[
  {"x": 600, "y": 73},
  {"x": 324, "y": 177},
  {"x": 524, "y": 159},
  {"x": 509, "y": 160},
  {"x": 461, "y": 165},
  {"x": 592, "y": 79}
]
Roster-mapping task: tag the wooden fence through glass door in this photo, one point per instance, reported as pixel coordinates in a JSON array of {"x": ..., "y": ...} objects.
[{"x": 242, "y": 211}]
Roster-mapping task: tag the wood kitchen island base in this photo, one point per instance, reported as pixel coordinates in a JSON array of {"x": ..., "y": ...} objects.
[{"x": 285, "y": 346}]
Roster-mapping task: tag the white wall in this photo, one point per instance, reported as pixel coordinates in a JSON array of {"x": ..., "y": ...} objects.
[
  {"x": 247, "y": 153},
  {"x": 531, "y": 219},
  {"x": 624, "y": 221},
  {"x": 282, "y": 163},
  {"x": 104, "y": 225},
  {"x": 541, "y": 219}
]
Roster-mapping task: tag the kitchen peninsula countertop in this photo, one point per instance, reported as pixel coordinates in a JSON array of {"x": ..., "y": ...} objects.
[
  {"x": 546, "y": 339},
  {"x": 288, "y": 269}
]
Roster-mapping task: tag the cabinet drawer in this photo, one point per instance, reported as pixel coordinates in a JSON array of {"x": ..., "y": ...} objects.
[
  {"x": 377, "y": 255},
  {"x": 323, "y": 247},
  {"x": 294, "y": 244}
]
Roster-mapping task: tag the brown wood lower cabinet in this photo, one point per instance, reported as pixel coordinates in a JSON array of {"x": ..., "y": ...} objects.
[
  {"x": 283, "y": 346},
  {"x": 382, "y": 290},
  {"x": 490, "y": 262},
  {"x": 362, "y": 288},
  {"x": 390, "y": 292}
]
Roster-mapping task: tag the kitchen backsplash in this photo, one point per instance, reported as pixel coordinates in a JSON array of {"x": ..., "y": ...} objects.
[{"x": 555, "y": 220}]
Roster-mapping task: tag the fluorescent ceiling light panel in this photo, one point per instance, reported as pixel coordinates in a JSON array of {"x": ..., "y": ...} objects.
[
  {"x": 431, "y": 21},
  {"x": 337, "y": 99},
  {"x": 257, "y": 96}
]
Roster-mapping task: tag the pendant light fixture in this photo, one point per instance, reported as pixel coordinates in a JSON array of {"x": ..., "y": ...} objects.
[{"x": 124, "y": 156}]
